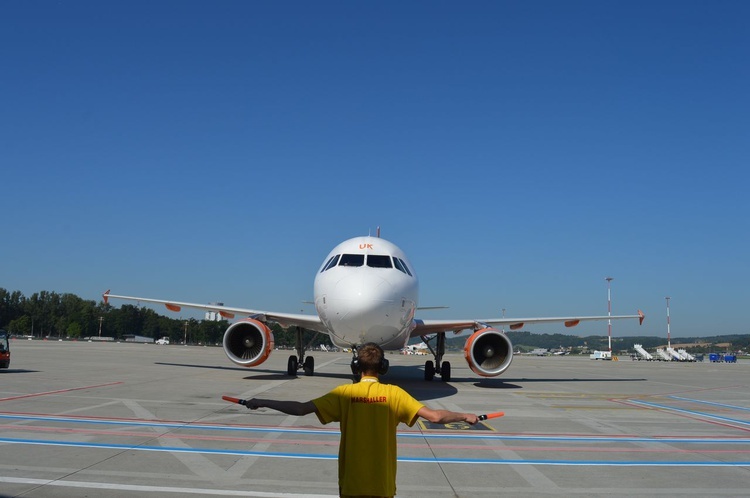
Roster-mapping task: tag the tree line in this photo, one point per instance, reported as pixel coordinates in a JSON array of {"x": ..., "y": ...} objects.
[
  {"x": 49, "y": 314},
  {"x": 67, "y": 316}
]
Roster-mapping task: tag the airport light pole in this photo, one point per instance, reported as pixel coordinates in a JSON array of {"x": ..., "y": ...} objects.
[
  {"x": 669, "y": 343},
  {"x": 609, "y": 312}
]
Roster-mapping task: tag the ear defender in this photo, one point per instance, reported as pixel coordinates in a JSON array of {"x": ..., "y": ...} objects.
[
  {"x": 383, "y": 364},
  {"x": 355, "y": 366}
]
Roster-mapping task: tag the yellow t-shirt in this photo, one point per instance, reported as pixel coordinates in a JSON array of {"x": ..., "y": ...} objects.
[{"x": 369, "y": 413}]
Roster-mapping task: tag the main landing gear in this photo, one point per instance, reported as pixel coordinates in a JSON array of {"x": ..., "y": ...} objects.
[
  {"x": 306, "y": 364},
  {"x": 440, "y": 367}
]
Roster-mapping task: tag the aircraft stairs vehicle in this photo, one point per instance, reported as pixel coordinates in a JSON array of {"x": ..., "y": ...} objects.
[
  {"x": 685, "y": 355},
  {"x": 674, "y": 355},
  {"x": 643, "y": 353},
  {"x": 663, "y": 355}
]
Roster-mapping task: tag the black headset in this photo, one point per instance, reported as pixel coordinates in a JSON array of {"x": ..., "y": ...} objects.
[{"x": 383, "y": 364}]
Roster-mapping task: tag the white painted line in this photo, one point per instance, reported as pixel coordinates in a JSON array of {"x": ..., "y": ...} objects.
[{"x": 155, "y": 489}]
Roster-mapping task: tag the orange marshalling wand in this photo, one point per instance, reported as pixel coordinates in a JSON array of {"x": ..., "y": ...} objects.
[
  {"x": 233, "y": 400},
  {"x": 491, "y": 415}
]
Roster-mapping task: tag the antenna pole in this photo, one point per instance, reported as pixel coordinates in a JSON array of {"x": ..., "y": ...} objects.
[
  {"x": 669, "y": 343},
  {"x": 609, "y": 312}
]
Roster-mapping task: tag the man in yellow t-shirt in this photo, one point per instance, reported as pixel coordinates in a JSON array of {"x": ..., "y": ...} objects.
[{"x": 369, "y": 413}]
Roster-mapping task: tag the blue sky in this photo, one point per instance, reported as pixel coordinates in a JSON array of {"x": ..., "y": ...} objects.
[{"x": 519, "y": 152}]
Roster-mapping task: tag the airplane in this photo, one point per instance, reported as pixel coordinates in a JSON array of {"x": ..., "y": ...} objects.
[
  {"x": 366, "y": 290},
  {"x": 420, "y": 348},
  {"x": 540, "y": 352}
]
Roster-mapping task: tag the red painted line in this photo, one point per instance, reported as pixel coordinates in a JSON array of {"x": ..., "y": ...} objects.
[
  {"x": 688, "y": 391},
  {"x": 59, "y": 391}
]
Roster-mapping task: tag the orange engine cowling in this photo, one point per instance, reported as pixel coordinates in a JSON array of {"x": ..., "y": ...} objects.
[
  {"x": 248, "y": 342},
  {"x": 488, "y": 352}
]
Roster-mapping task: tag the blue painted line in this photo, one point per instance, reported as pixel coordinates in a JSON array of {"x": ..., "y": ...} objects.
[
  {"x": 170, "y": 425},
  {"x": 312, "y": 456},
  {"x": 691, "y": 412},
  {"x": 406, "y": 435},
  {"x": 712, "y": 403}
]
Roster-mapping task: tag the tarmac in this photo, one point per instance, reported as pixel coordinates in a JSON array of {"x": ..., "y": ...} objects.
[{"x": 118, "y": 419}]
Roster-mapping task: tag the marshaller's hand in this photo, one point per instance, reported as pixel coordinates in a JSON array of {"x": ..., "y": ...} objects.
[{"x": 251, "y": 404}]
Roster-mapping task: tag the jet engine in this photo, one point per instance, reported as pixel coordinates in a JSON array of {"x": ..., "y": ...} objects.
[
  {"x": 488, "y": 352},
  {"x": 248, "y": 342}
]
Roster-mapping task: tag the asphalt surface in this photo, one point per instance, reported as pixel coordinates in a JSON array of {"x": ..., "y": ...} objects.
[{"x": 111, "y": 420}]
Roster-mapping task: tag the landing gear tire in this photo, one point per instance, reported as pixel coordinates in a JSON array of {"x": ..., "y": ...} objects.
[
  {"x": 309, "y": 366},
  {"x": 429, "y": 370},
  {"x": 291, "y": 366},
  {"x": 445, "y": 371}
]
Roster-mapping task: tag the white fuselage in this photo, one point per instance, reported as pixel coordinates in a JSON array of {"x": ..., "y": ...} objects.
[{"x": 366, "y": 291}]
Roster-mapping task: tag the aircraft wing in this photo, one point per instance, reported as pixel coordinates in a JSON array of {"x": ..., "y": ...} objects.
[
  {"x": 434, "y": 326},
  {"x": 309, "y": 322}
]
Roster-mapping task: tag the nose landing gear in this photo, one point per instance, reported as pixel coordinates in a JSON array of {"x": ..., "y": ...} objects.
[
  {"x": 439, "y": 367},
  {"x": 306, "y": 364}
]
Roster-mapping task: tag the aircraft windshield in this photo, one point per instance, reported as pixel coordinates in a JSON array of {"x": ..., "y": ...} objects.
[
  {"x": 377, "y": 261},
  {"x": 373, "y": 261},
  {"x": 401, "y": 266},
  {"x": 331, "y": 263},
  {"x": 352, "y": 260}
]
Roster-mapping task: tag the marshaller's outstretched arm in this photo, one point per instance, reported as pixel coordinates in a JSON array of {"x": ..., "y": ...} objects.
[{"x": 298, "y": 408}]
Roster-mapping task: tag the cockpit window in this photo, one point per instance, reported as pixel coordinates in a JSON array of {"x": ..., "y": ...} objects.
[
  {"x": 378, "y": 261},
  {"x": 401, "y": 266},
  {"x": 398, "y": 265},
  {"x": 352, "y": 260},
  {"x": 331, "y": 263}
]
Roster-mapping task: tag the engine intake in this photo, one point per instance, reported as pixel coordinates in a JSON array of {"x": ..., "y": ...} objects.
[
  {"x": 248, "y": 342},
  {"x": 488, "y": 352}
]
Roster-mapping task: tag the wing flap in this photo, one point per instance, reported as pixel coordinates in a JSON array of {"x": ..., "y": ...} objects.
[
  {"x": 309, "y": 322},
  {"x": 423, "y": 327}
]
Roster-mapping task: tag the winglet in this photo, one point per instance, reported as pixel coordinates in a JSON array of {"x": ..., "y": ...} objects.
[
  {"x": 106, "y": 296},
  {"x": 641, "y": 317}
]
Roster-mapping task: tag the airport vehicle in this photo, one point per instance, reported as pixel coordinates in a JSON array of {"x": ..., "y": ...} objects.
[
  {"x": 367, "y": 291},
  {"x": 4, "y": 349},
  {"x": 540, "y": 352},
  {"x": 163, "y": 341}
]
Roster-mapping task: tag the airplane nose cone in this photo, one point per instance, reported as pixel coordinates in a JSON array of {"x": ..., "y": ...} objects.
[
  {"x": 363, "y": 293},
  {"x": 360, "y": 305}
]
